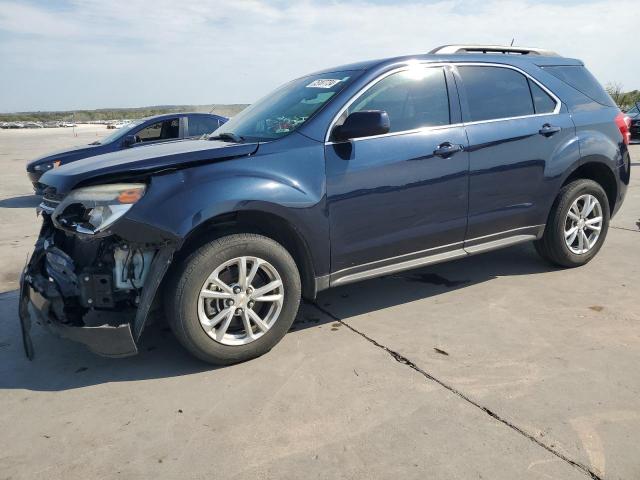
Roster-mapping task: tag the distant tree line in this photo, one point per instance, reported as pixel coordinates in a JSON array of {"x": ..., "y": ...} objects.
[
  {"x": 624, "y": 100},
  {"x": 119, "y": 113}
]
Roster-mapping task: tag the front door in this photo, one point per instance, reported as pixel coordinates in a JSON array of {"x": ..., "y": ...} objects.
[{"x": 401, "y": 196}]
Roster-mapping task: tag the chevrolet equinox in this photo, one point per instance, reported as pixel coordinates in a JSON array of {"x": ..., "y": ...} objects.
[{"x": 343, "y": 175}]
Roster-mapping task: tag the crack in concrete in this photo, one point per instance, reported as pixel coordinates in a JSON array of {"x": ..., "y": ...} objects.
[
  {"x": 405, "y": 361},
  {"x": 625, "y": 228}
]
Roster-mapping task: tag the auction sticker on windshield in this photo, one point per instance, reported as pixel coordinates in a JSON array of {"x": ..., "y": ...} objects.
[{"x": 323, "y": 83}]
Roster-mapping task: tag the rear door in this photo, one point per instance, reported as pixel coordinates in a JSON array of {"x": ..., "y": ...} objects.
[
  {"x": 401, "y": 196},
  {"x": 515, "y": 127}
]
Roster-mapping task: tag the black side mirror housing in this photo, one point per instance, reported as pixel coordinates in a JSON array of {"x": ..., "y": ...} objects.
[
  {"x": 129, "y": 140},
  {"x": 362, "y": 124}
]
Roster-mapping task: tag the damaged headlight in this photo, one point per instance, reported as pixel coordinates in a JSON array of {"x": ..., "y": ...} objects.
[{"x": 90, "y": 210}]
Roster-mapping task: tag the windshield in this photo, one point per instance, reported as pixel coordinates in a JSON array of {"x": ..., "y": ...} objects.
[
  {"x": 634, "y": 111},
  {"x": 118, "y": 133},
  {"x": 286, "y": 109}
]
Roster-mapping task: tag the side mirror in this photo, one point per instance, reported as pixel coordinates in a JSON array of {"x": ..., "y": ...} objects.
[
  {"x": 362, "y": 124},
  {"x": 129, "y": 140}
]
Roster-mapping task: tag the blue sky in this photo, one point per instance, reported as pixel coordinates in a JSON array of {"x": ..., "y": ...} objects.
[{"x": 76, "y": 54}]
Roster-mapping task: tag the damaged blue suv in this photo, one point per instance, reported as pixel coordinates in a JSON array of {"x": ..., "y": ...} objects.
[{"x": 339, "y": 176}]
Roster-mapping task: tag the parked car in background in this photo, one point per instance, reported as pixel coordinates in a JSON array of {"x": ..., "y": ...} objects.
[
  {"x": 157, "y": 129},
  {"x": 634, "y": 118},
  {"x": 343, "y": 175},
  {"x": 33, "y": 125}
]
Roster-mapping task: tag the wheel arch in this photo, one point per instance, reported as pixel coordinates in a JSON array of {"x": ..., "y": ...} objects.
[
  {"x": 596, "y": 169},
  {"x": 260, "y": 222}
]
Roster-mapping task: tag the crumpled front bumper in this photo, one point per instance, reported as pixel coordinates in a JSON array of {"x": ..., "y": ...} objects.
[
  {"x": 45, "y": 300},
  {"x": 40, "y": 298}
]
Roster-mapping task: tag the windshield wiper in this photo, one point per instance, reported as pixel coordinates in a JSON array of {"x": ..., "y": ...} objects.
[
  {"x": 228, "y": 136},
  {"x": 95, "y": 143}
]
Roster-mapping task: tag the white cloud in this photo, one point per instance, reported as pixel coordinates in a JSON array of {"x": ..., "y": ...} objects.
[{"x": 131, "y": 53}]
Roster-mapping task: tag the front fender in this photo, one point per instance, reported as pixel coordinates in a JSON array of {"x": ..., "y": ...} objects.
[{"x": 177, "y": 203}]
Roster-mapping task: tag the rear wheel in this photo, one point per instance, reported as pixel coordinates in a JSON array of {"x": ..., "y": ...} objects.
[
  {"x": 234, "y": 298},
  {"x": 577, "y": 225}
]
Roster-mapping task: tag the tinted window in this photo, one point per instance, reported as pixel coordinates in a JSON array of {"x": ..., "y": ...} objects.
[
  {"x": 542, "y": 102},
  {"x": 581, "y": 79},
  {"x": 413, "y": 99},
  {"x": 494, "y": 92},
  {"x": 164, "y": 130},
  {"x": 201, "y": 125}
]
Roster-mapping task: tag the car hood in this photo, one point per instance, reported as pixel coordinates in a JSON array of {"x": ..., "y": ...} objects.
[
  {"x": 62, "y": 154},
  {"x": 143, "y": 159}
]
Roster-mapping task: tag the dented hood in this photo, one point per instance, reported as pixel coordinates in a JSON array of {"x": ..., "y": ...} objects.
[{"x": 143, "y": 159}]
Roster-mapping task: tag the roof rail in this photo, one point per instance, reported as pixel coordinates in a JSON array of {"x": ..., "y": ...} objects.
[{"x": 505, "y": 49}]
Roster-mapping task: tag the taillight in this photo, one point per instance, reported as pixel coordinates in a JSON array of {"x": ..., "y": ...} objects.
[{"x": 624, "y": 124}]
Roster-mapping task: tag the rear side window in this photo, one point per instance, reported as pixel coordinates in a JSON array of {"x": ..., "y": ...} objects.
[
  {"x": 200, "y": 125},
  {"x": 495, "y": 92},
  {"x": 581, "y": 79},
  {"x": 413, "y": 99}
]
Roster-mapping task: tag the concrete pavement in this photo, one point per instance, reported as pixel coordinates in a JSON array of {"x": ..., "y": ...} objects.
[{"x": 496, "y": 366}]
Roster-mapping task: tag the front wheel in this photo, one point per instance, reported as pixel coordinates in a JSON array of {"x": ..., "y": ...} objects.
[
  {"x": 577, "y": 225},
  {"x": 234, "y": 298}
]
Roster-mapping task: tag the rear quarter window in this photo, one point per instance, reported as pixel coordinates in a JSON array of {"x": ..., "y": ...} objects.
[
  {"x": 582, "y": 80},
  {"x": 542, "y": 102}
]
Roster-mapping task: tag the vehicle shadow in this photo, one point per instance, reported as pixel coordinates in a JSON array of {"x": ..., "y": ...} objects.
[
  {"x": 62, "y": 365},
  {"x": 23, "y": 201},
  {"x": 409, "y": 286}
]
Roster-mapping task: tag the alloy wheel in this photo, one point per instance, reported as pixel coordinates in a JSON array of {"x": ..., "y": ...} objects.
[
  {"x": 240, "y": 300},
  {"x": 583, "y": 224}
]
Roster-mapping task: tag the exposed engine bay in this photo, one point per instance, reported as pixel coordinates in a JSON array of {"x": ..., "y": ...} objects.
[
  {"x": 106, "y": 273},
  {"x": 76, "y": 283}
]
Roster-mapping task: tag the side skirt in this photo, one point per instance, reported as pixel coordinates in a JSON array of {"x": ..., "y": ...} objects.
[{"x": 431, "y": 256}]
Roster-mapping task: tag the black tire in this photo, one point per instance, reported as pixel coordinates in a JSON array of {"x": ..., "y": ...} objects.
[
  {"x": 182, "y": 294},
  {"x": 552, "y": 246}
]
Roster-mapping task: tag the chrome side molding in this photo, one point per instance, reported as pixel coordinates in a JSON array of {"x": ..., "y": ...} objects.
[{"x": 428, "y": 257}]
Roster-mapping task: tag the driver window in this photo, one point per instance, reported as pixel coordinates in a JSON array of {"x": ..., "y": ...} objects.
[
  {"x": 413, "y": 99},
  {"x": 164, "y": 130}
]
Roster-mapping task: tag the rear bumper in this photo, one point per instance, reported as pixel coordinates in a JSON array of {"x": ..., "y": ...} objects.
[{"x": 623, "y": 177}]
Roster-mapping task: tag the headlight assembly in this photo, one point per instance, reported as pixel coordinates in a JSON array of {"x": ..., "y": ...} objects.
[
  {"x": 91, "y": 210},
  {"x": 43, "y": 167}
]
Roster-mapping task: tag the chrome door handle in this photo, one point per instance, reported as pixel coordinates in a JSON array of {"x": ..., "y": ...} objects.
[
  {"x": 446, "y": 149},
  {"x": 547, "y": 130}
]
